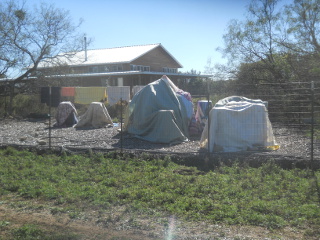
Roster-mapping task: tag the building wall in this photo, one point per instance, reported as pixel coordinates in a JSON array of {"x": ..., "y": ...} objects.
[{"x": 156, "y": 59}]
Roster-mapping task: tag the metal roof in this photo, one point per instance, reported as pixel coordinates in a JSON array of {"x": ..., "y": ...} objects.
[
  {"x": 128, "y": 73},
  {"x": 106, "y": 56}
]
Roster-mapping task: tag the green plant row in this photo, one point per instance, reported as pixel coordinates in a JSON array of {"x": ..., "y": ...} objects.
[{"x": 267, "y": 196}]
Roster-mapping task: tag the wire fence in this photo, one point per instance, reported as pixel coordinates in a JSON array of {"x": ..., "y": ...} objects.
[{"x": 292, "y": 108}]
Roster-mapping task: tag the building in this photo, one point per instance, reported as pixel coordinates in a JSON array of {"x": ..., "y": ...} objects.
[{"x": 120, "y": 66}]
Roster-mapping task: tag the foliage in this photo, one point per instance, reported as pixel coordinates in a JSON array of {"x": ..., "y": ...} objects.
[
  {"x": 274, "y": 46},
  {"x": 27, "y": 232},
  {"x": 304, "y": 19},
  {"x": 255, "y": 39},
  {"x": 117, "y": 110},
  {"x": 222, "y": 89},
  {"x": 279, "y": 42},
  {"x": 196, "y": 86},
  {"x": 23, "y": 105},
  {"x": 32, "y": 232},
  {"x": 267, "y": 196},
  {"x": 29, "y": 36}
]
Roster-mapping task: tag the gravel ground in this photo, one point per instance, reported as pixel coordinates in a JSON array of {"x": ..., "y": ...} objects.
[{"x": 35, "y": 133}]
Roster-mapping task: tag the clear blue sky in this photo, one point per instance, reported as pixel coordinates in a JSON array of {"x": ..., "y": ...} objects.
[{"x": 190, "y": 30}]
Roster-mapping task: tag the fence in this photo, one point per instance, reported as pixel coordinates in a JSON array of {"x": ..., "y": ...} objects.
[{"x": 293, "y": 110}]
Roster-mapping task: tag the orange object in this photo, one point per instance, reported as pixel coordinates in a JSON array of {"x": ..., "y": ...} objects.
[{"x": 67, "y": 91}]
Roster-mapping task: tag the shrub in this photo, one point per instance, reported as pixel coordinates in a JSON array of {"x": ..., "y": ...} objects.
[
  {"x": 23, "y": 105},
  {"x": 115, "y": 110}
]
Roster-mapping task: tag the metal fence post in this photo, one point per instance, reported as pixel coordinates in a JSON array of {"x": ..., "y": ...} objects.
[
  {"x": 312, "y": 121},
  {"x": 121, "y": 117},
  {"x": 208, "y": 122},
  {"x": 50, "y": 103}
]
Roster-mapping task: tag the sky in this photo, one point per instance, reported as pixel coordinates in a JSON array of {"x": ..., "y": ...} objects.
[{"x": 190, "y": 30}]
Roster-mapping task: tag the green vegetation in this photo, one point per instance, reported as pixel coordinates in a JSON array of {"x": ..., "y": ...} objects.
[
  {"x": 31, "y": 232},
  {"x": 268, "y": 196}
]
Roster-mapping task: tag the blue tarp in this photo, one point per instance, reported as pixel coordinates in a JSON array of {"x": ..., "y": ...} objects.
[{"x": 157, "y": 113}]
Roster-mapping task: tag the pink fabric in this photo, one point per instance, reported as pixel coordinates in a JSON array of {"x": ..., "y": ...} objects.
[
  {"x": 68, "y": 91},
  {"x": 185, "y": 94}
]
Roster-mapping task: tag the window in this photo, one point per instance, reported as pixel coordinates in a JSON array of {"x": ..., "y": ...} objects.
[
  {"x": 169, "y": 70},
  {"x": 111, "y": 82},
  {"x": 93, "y": 69},
  {"x": 139, "y": 68}
]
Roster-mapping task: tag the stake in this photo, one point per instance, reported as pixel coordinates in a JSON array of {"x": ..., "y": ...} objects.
[
  {"x": 121, "y": 124},
  {"x": 50, "y": 101}
]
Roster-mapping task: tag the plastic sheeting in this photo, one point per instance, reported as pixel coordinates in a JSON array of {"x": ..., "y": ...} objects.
[
  {"x": 238, "y": 124},
  {"x": 157, "y": 113},
  {"x": 96, "y": 116}
]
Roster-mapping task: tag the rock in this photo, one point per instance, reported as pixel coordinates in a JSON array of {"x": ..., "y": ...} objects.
[
  {"x": 22, "y": 139},
  {"x": 42, "y": 142}
]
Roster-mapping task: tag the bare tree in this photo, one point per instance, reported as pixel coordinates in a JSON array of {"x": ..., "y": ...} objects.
[{"x": 31, "y": 35}]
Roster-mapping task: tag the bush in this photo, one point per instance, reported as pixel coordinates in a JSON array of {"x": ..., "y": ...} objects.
[
  {"x": 115, "y": 110},
  {"x": 4, "y": 101},
  {"x": 23, "y": 105}
]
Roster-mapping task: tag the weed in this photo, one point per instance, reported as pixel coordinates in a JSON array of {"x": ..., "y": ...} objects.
[
  {"x": 33, "y": 232},
  {"x": 3, "y": 224},
  {"x": 267, "y": 196},
  {"x": 56, "y": 210},
  {"x": 28, "y": 232}
]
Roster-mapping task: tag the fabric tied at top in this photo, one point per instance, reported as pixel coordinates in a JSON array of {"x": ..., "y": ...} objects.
[
  {"x": 238, "y": 124},
  {"x": 96, "y": 116}
]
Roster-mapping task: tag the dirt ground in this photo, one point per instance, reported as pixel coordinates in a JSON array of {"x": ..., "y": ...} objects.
[{"x": 95, "y": 224}]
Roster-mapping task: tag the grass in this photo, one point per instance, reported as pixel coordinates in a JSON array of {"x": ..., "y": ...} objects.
[
  {"x": 32, "y": 232},
  {"x": 268, "y": 196}
]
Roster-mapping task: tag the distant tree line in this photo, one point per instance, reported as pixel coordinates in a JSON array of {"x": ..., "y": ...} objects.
[{"x": 275, "y": 44}]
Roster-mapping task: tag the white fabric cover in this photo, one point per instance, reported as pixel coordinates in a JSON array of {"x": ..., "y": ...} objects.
[
  {"x": 117, "y": 93},
  {"x": 96, "y": 116},
  {"x": 238, "y": 124}
]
